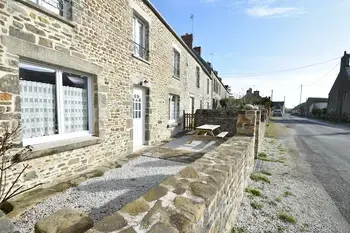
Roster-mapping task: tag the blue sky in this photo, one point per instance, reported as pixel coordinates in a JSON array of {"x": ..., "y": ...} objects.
[{"x": 254, "y": 36}]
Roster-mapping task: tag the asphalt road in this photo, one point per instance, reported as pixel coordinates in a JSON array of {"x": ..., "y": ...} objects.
[{"x": 327, "y": 149}]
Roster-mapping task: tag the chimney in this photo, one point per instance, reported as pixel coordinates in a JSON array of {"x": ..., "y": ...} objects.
[
  {"x": 188, "y": 39},
  {"x": 256, "y": 93},
  {"x": 344, "y": 61},
  {"x": 216, "y": 73},
  {"x": 209, "y": 64},
  {"x": 198, "y": 50},
  {"x": 249, "y": 91}
]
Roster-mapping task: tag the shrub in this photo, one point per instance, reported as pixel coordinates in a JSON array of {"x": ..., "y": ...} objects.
[{"x": 286, "y": 217}]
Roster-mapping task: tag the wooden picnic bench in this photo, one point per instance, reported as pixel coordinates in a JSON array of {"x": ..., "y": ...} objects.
[{"x": 207, "y": 132}]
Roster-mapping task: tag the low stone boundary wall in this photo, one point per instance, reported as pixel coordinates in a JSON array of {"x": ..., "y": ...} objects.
[{"x": 204, "y": 196}]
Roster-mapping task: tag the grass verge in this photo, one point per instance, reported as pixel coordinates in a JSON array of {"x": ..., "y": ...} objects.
[
  {"x": 254, "y": 192},
  {"x": 256, "y": 205},
  {"x": 286, "y": 217},
  {"x": 239, "y": 230},
  {"x": 257, "y": 176}
]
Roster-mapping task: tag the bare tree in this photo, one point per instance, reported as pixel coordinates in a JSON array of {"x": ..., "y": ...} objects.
[{"x": 10, "y": 158}]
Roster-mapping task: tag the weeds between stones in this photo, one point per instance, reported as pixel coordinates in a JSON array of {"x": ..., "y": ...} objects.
[
  {"x": 287, "y": 194},
  {"x": 262, "y": 155},
  {"x": 256, "y": 205},
  {"x": 266, "y": 173},
  {"x": 256, "y": 176},
  {"x": 254, "y": 192},
  {"x": 286, "y": 217},
  {"x": 239, "y": 230}
]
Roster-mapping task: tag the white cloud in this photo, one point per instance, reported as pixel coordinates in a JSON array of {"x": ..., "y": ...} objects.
[{"x": 267, "y": 11}]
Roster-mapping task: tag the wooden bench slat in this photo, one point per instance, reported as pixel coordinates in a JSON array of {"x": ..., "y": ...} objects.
[
  {"x": 222, "y": 135},
  {"x": 191, "y": 132}
]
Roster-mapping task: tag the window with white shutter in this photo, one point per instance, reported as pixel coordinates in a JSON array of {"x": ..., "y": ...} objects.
[
  {"x": 174, "y": 107},
  {"x": 176, "y": 65},
  {"x": 55, "y": 103},
  {"x": 140, "y": 38}
]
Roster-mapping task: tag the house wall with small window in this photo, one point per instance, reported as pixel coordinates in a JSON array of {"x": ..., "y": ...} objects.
[
  {"x": 168, "y": 73},
  {"x": 64, "y": 76}
]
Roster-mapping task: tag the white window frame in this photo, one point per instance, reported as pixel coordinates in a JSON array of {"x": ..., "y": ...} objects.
[
  {"x": 176, "y": 62},
  {"x": 60, "y": 106},
  {"x": 53, "y": 9},
  {"x": 176, "y": 108},
  {"x": 143, "y": 44}
]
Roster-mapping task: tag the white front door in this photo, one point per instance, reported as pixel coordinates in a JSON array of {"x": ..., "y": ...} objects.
[{"x": 138, "y": 117}]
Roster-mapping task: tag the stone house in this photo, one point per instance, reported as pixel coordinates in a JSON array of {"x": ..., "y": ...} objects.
[
  {"x": 94, "y": 81},
  {"x": 339, "y": 95},
  {"x": 315, "y": 103}
]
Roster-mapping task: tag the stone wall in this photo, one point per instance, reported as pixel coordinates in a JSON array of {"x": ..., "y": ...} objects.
[
  {"x": 204, "y": 197},
  {"x": 226, "y": 118}
]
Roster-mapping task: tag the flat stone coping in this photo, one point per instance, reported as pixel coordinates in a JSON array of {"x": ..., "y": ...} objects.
[{"x": 50, "y": 148}]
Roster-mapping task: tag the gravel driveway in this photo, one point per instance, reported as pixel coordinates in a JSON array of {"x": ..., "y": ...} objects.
[
  {"x": 294, "y": 200},
  {"x": 101, "y": 196}
]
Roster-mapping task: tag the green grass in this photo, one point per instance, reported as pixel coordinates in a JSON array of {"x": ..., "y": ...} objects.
[
  {"x": 279, "y": 199},
  {"x": 271, "y": 160},
  {"x": 281, "y": 228},
  {"x": 239, "y": 230},
  {"x": 256, "y": 176},
  {"x": 254, "y": 192},
  {"x": 286, "y": 217},
  {"x": 256, "y": 205},
  {"x": 262, "y": 155},
  {"x": 266, "y": 173},
  {"x": 287, "y": 194}
]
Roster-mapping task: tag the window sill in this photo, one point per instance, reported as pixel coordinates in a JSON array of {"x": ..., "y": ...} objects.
[
  {"x": 178, "y": 78},
  {"x": 140, "y": 59},
  {"x": 50, "y": 148},
  {"x": 47, "y": 12}
]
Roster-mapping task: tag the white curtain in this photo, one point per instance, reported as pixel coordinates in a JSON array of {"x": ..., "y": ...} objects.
[
  {"x": 75, "y": 109},
  {"x": 38, "y": 107}
]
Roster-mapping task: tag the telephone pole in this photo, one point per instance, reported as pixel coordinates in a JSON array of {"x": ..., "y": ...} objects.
[
  {"x": 301, "y": 93},
  {"x": 271, "y": 94},
  {"x": 192, "y": 19}
]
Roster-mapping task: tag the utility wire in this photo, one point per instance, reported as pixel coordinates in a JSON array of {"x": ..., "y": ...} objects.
[
  {"x": 323, "y": 76},
  {"x": 281, "y": 71}
]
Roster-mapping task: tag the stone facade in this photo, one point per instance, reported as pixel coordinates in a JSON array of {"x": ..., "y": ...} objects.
[
  {"x": 339, "y": 95},
  {"x": 98, "y": 42}
]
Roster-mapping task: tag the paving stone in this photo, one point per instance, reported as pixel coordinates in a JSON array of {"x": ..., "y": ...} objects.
[
  {"x": 64, "y": 221},
  {"x": 189, "y": 172},
  {"x": 194, "y": 208},
  {"x": 111, "y": 223},
  {"x": 136, "y": 207},
  {"x": 155, "y": 193}
]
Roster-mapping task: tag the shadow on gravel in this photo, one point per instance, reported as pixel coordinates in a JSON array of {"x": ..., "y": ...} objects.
[{"x": 130, "y": 190}]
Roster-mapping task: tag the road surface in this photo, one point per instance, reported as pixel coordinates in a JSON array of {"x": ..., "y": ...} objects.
[{"x": 327, "y": 149}]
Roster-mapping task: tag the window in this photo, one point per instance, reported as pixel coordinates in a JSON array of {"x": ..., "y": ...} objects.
[
  {"x": 198, "y": 76},
  {"x": 55, "y": 103},
  {"x": 174, "y": 107},
  {"x": 140, "y": 38},
  {"x": 345, "y": 95},
  {"x": 208, "y": 86},
  {"x": 176, "y": 61},
  {"x": 60, "y": 7}
]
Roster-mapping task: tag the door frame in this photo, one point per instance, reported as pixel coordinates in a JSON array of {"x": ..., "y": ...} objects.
[{"x": 143, "y": 116}]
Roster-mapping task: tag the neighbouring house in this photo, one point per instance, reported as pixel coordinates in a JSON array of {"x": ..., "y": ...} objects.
[
  {"x": 251, "y": 96},
  {"x": 278, "y": 105},
  {"x": 94, "y": 81},
  {"x": 339, "y": 95},
  {"x": 299, "y": 110},
  {"x": 313, "y": 104}
]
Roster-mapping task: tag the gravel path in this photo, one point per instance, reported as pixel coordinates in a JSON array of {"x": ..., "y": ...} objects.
[
  {"x": 294, "y": 191},
  {"x": 101, "y": 196}
]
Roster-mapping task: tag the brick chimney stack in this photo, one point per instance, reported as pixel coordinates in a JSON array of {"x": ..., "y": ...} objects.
[
  {"x": 188, "y": 39},
  {"x": 344, "y": 61},
  {"x": 198, "y": 50}
]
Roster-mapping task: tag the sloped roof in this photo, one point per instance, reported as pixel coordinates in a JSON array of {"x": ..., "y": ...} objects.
[
  {"x": 277, "y": 103},
  {"x": 316, "y": 99}
]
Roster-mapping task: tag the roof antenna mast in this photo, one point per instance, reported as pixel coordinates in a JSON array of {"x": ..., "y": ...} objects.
[{"x": 192, "y": 19}]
